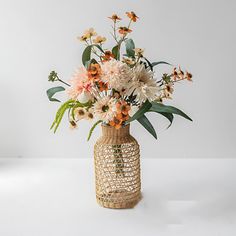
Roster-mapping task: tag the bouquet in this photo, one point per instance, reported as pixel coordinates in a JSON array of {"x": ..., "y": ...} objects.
[{"x": 116, "y": 86}]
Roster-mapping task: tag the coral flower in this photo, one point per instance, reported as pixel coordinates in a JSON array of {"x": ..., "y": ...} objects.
[
  {"x": 114, "y": 17},
  {"x": 122, "y": 107},
  {"x": 94, "y": 72},
  {"x": 107, "y": 56},
  {"x": 175, "y": 74},
  {"x": 188, "y": 76},
  {"x": 116, "y": 122},
  {"x": 102, "y": 86},
  {"x": 132, "y": 16},
  {"x": 124, "y": 30}
]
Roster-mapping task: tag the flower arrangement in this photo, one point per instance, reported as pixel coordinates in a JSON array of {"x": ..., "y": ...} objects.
[{"x": 116, "y": 86}]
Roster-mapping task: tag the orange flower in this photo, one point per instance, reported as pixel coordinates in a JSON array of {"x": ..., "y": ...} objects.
[
  {"x": 116, "y": 122},
  {"x": 114, "y": 17},
  {"x": 124, "y": 30},
  {"x": 175, "y": 74},
  {"x": 94, "y": 72},
  {"x": 180, "y": 73},
  {"x": 188, "y": 76},
  {"x": 102, "y": 86},
  {"x": 132, "y": 16},
  {"x": 122, "y": 108},
  {"x": 107, "y": 56}
]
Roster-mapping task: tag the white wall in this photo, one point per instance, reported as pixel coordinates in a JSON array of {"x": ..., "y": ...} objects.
[{"x": 38, "y": 36}]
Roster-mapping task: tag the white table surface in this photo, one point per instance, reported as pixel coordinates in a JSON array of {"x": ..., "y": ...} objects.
[{"x": 55, "y": 197}]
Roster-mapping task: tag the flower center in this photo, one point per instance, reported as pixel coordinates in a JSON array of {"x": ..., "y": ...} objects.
[
  {"x": 81, "y": 112},
  {"x": 105, "y": 108}
]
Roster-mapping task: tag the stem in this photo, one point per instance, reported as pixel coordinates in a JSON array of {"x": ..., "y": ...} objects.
[{"x": 63, "y": 82}]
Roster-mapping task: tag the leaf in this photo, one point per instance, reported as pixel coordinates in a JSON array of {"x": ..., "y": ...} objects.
[
  {"x": 52, "y": 91},
  {"x": 149, "y": 63},
  {"x": 60, "y": 113},
  {"x": 160, "y": 62},
  {"x": 129, "y": 44},
  {"x": 169, "y": 116},
  {"x": 144, "y": 108},
  {"x": 115, "y": 52},
  {"x": 143, "y": 120},
  {"x": 86, "y": 56},
  {"x": 92, "y": 129},
  {"x": 158, "y": 107}
]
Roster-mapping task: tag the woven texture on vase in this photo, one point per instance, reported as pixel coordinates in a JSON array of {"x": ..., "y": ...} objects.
[{"x": 117, "y": 168}]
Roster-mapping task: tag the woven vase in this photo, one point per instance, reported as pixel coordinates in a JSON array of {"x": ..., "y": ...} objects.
[{"x": 117, "y": 168}]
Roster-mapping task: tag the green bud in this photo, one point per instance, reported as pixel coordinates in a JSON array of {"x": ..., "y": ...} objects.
[{"x": 52, "y": 76}]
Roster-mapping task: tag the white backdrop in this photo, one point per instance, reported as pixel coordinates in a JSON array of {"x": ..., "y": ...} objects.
[{"x": 38, "y": 36}]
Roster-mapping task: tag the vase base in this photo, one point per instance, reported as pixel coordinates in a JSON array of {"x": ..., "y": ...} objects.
[{"x": 119, "y": 199}]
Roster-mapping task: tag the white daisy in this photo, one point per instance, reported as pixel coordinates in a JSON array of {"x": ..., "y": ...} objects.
[
  {"x": 105, "y": 108},
  {"x": 116, "y": 73},
  {"x": 143, "y": 86}
]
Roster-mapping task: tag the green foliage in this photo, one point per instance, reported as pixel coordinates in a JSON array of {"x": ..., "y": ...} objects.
[
  {"x": 92, "y": 129},
  {"x": 159, "y": 107},
  {"x": 166, "y": 78},
  {"x": 116, "y": 52},
  {"x": 52, "y": 91},
  {"x": 52, "y": 76},
  {"x": 130, "y": 46},
  {"x": 143, "y": 120},
  {"x": 149, "y": 63},
  {"x": 86, "y": 56},
  {"x": 169, "y": 116},
  {"x": 160, "y": 62},
  {"x": 144, "y": 108},
  {"x": 60, "y": 113}
]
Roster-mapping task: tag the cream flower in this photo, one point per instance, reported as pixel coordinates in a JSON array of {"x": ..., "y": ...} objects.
[
  {"x": 116, "y": 73},
  {"x": 90, "y": 32},
  {"x": 89, "y": 114},
  {"x": 139, "y": 52},
  {"x": 105, "y": 108},
  {"x": 143, "y": 86},
  {"x": 128, "y": 61},
  {"x": 99, "y": 39},
  {"x": 79, "y": 113}
]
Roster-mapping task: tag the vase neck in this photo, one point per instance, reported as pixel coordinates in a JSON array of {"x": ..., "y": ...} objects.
[{"x": 109, "y": 131}]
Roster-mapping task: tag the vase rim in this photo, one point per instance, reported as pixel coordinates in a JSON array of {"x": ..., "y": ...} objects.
[{"x": 108, "y": 130}]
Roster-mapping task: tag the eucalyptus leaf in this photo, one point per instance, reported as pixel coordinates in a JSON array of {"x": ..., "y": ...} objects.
[
  {"x": 160, "y": 62},
  {"x": 130, "y": 46},
  {"x": 115, "y": 52},
  {"x": 144, "y": 108},
  {"x": 143, "y": 120},
  {"x": 168, "y": 116},
  {"x": 52, "y": 91},
  {"x": 86, "y": 56},
  {"x": 159, "y": 107},
  {"x": 149, "y": 63}
]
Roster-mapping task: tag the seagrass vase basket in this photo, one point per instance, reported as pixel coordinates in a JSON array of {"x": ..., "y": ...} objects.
[{"x": 117, "y": 168}]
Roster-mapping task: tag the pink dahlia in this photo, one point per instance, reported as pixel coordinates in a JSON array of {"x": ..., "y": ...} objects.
[{"x": 79, "y": 84}]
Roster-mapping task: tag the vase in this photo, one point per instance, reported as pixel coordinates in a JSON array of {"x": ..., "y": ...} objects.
[{"x": 117, "y": 168}]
